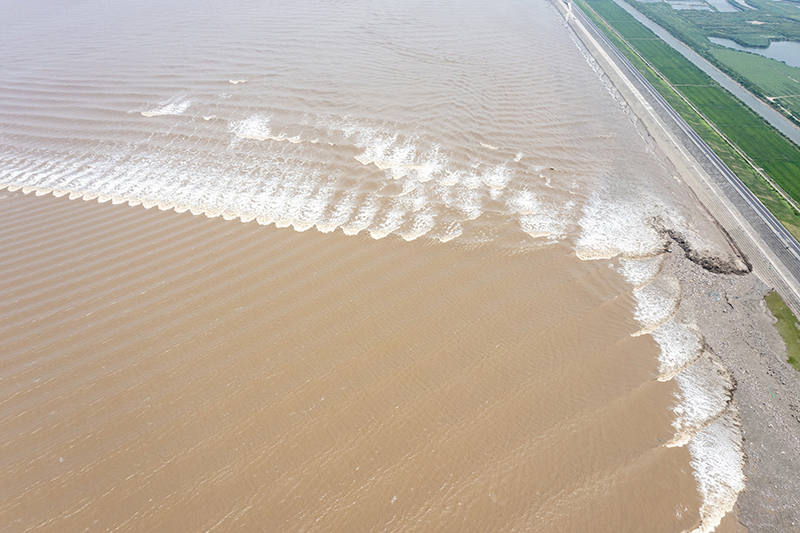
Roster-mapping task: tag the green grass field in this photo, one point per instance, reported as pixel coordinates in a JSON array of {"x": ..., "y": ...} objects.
[
  {"x": 766, "y": 147},
  {"x": 787, "y": 327},
  {"x": 768, "y": 78}
]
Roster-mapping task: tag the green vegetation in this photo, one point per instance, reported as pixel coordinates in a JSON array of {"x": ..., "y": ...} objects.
[
  {"x": 787, "y": 327},
  {"x": 741, "y": 138},
  {"x": 770, "y": 21},
  {"x": 771, "y": 80}
]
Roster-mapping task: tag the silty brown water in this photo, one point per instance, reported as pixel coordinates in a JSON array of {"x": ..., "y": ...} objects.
[{"x": 452, "y": 347}]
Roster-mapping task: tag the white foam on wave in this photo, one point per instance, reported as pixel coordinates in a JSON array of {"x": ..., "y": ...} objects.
[
  {"x": 538, "y": 219},
  {"x": 421, "y": 225},
  {"x": 399, "y": 157},
  {"x": 639, "y": 272},
  {"x": 237, "y": 82},
  {"x": 418, "y": 189},
  {"x": 656, "y": 303},
  {"x": 719, "y": 469},
  {"x": 617, "y": 226},
  {"x": 364, "y": 217},
  {"x": 170, "y": 108},
  {"x": 450, "y": 178},
  {"x": 255, "y": 127},
  {"x": 433, "y": 164},
  {"x": 467, "y": 202},
  {"x": 314, "y": 207},
  {"x": 705, "y": 394},
  {"x": 390, "y": 220},
  {"x": 680, "y": 344},
  {"x": 409, "y": 187},
  {"x": 386, "y": 153},
  {"x": 450, "y": 232},
  {"x": 496, "y": 177},
  {"x": 470, "y": 179},
  {"x": 704, "y": 417},
  {"x": 339, "y": 213},
  {"x": 524, "y": 202},
  {"x": 278, "y": 191},
  {"x": 282, "y": 189}
]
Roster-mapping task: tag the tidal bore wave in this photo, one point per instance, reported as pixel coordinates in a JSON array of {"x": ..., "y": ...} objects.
[
  {"x": 433, "y": 199},
  {"x": 445, "y": 140},
  {"x": 416, "y": 189}
]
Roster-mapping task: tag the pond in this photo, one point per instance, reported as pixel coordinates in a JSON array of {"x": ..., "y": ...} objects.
[
  {"x": 723, "y": 6},
  {"x": 693, "y": 6},
  {"x": 786, "y": 51}
]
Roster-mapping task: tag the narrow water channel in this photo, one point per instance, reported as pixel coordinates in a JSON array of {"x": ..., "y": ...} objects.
[{"x": 777, "y": 120}]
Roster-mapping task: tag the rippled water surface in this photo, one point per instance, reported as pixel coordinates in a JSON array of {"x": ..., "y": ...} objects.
[{"x": 446, "y": 310}]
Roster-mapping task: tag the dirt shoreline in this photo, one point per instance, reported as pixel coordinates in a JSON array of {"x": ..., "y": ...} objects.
[{"x": 737, "y": 326}]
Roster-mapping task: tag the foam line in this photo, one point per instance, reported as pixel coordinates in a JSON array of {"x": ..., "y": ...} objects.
[{"x": 604, "y": 216}]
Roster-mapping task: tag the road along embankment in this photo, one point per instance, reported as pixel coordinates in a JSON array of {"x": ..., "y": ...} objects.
[{"x": 771, "y": 251}]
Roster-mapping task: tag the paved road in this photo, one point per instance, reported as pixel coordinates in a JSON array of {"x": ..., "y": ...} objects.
[{"x": 780, "y": 242}]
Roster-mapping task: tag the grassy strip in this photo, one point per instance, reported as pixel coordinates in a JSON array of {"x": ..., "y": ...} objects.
[
  {"x": 787, "y": 327},
  {"x": 765, "y": 146},
  {"x": 766, "y": 78}
]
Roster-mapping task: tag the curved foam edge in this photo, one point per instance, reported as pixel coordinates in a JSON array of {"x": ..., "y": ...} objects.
[
  {"x": 706, "y": 393},
  {"x": 705, "y": 418},
  {"x": 657, "y": 303},
  {"x": 422, "y": 224},
  {"x": 680, "y": 344},
  {"x": 601, "y": 220},
  {"x": 640, "y": 272}
]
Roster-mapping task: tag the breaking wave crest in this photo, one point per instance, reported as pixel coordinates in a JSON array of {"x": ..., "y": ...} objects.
[
  {"x": 332, "y": 173},
  {"x": 705, "y": 420},
  {"x": 718, "y": 462},
  {"x": 170, "y": 108}
]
